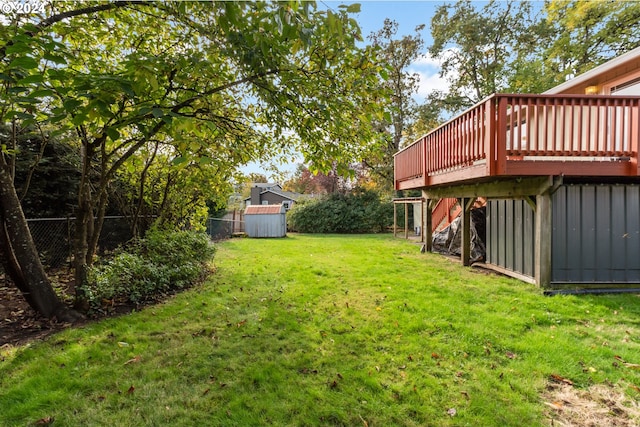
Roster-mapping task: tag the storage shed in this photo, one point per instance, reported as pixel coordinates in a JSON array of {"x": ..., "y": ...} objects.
[{"x": 265, "y": 221}]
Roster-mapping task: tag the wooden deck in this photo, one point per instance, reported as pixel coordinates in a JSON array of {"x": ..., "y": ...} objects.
[{"x": 526, "y": 136}]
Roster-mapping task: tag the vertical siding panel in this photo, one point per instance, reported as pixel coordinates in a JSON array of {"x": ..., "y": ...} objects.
[
  {"x": 501, "y": 232},
  {"x": 588, "y": 233},
  {"x": 509, "y": 235},
  {"x": 603, "y": 233},
  {"x": 492, "y": 230},
  {"x": 574, "y": 236},
  {"x": 618, "y": 241},
  {"x": 518, "y": 234},
  {"x": 529, "y": 240},
  {"x": 633, "y": 233},
  {"x": 595, "y": 240},
  {"x": 559, "y": 236}
]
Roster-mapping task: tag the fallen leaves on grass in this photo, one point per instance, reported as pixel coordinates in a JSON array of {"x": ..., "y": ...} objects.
[
  {"x": 561, "y": 380},
  {"x": 134, "y": 360},
  {"x": 627, "y": 364}
]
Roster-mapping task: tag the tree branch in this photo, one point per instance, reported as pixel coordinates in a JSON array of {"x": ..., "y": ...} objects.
[{"x": 46, "y": 23}]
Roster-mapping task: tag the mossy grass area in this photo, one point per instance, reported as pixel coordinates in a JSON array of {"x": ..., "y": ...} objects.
[{"x": 329, "y": 330}]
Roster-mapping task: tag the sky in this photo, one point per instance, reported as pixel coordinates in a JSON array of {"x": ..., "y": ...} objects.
[{"x": 408, "y": 14}]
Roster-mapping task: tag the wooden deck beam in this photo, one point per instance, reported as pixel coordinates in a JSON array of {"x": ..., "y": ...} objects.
[{"x": 519, "y": 187}]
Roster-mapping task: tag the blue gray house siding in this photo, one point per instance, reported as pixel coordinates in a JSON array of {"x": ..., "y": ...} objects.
[{"x": 595, "y": 235}]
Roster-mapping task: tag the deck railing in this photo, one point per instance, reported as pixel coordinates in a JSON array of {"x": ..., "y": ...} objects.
[
  {"x": 515, "y": 135},
  {"x": 442, "y": 213}
]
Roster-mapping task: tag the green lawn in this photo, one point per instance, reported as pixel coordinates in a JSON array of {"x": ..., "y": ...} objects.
[{"x": 328, "y": 330}]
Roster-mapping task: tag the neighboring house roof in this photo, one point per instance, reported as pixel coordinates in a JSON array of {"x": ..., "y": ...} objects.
[
  {"x": 610, "y": 70},
  {"x": 286, "y": 194},
  {"x": 263, "y": 210},
  {"x": 289, "y": 195},
  {"x": 266, "y": 185}
]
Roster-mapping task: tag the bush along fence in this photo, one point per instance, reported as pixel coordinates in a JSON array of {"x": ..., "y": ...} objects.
[{"x": 159, "y": 263}]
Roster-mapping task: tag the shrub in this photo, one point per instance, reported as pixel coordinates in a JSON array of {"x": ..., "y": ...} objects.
[
  {"x": 359, "y": 212},
  {"x": 160, "y": 263}
]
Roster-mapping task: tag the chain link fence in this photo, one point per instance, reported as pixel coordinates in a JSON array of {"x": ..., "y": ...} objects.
[
  {"x": 53, "y": 237},
  {"x": 224, "y": 228}
]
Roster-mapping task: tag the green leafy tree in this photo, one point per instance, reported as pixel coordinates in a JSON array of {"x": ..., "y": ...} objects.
[
  {"x": 584, "y": 34},
  {"x": 45, "y": 172},
  {"x": 400, "y": 109},
  {"x": 218, "y": 83},
  {"x": 149, "y": 188},
  {"x": 428, "y": 116},
  {"x": 478, "y": 47}
]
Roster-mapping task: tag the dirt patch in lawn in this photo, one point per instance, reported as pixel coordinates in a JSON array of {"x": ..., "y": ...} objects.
[
  {"x": 20, "y": 324},
  {"x": 600, "y": 405}
]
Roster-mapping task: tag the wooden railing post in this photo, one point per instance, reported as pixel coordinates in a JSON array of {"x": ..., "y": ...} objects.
[
  {"x": 490, "y": 135},
  {"x": 501, "y": 137},
  {"x": 634, "y": 135}
]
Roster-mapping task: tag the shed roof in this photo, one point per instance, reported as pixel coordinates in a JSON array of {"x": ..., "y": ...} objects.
[{"x": 263, "y": 209}]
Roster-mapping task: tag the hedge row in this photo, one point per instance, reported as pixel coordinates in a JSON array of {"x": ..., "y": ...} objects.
[{"x": 359, "y": 212}]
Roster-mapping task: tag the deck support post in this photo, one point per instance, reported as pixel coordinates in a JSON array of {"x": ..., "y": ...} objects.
[
  {"x": 465, "y": 244},
  {"x": 406, "y": 220},
  {"x": 542, "y": 269},
  {"x": 427, "y": 223},
  {"x": 395, "y": 219}
]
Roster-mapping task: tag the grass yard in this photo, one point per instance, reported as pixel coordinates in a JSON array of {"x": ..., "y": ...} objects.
[{"x": 334, "y": 330}]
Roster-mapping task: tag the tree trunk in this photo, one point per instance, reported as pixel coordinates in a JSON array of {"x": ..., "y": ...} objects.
[
  {"x": 19, "y": 254},
  {"x": 84, "y": 225}
]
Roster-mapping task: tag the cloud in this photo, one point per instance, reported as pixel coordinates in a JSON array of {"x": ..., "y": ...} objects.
[{"x": 428, "y": 69}]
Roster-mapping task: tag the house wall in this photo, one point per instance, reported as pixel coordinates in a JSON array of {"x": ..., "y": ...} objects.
[
  {"x": 595, "y": 236},
  {"x": 603, "y": 78},
  {"x": 273, "y": 198}
]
